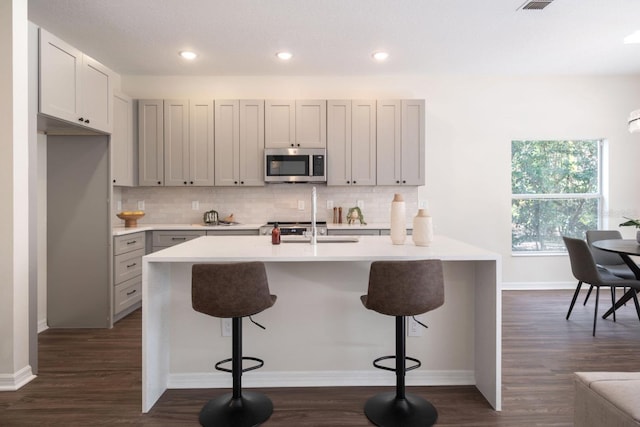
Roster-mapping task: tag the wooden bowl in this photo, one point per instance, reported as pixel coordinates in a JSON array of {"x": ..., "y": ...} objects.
[{"x": 130, "y": 217}]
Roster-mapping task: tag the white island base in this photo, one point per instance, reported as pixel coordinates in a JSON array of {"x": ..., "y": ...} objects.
[{"x": 318, "y": 333}]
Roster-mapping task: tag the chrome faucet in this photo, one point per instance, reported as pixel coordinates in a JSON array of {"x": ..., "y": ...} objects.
[{"x": 314, "y": 211}]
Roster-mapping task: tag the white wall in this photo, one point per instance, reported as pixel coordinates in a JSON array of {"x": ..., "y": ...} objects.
[
  {"x": 470, "y": 122},
  {"x": 14, "y": 209}
]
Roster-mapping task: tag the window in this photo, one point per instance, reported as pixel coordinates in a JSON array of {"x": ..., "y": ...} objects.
[{"x": 555, "y": 192}]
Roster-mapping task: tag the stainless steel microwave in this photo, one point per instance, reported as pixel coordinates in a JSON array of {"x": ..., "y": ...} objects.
[{"x": 295, "y": 165}]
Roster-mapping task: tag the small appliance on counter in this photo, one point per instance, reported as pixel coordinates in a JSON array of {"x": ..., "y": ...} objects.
[{"x": 211, "y": 218}]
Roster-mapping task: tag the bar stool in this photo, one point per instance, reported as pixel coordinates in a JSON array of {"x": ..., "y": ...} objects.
[
  {"x": 234, "y": 291},
  {"x": 402, "y": 288}
]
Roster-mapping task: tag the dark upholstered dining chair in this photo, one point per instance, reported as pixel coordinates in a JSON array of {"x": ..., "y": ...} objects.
[
  {"x": 610, "y": 261},
  {"x": 234, "y": 290},
  {"x": 584, "y": 269},
  {"x": 402, "y": 288}
]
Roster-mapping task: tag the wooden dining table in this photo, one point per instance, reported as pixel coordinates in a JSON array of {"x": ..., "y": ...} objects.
[{"x": 626, "y": 248}]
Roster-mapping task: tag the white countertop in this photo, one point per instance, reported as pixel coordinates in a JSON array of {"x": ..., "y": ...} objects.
[
  {"x": 121, "y": 230},
  {"x": 368, "y": 248}
]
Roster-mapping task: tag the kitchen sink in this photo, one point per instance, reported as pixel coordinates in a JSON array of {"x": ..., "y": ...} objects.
[{"x": 320, "y": 239}]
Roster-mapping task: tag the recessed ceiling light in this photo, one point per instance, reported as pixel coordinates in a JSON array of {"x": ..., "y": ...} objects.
[
  {"x": 380, "y": 56},
  {"x": 187, "y": 54},
  {"x": 285, "y": 56},
  {"x": 632, "y": 38}
]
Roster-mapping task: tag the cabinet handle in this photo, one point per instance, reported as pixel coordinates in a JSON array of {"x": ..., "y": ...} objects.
[
  {"x": 241, "y": 182},
  {"x": 132, "y": 265},
  {"x": 86, "y": 121},
  {"x": 159, "y": 182},
  {"x": 81, "y": 119},
  {"x": 131, "y": 242},
  {"x": 131, "y": 293},
  {"x": 191, "y": 182},
  {"x": 404, "y": 182},
  {"x": 185, "y": 183},
  {"x": 114, "y": 181},
  {"x": 235, "y": 182},
  {"x": 397, "y": 182},
  {"x": 292, "y": 145},
  {"x": 348, "y": 182},
  {"x": 354, "y": 182},
  {"x": 178, "y": 238}
]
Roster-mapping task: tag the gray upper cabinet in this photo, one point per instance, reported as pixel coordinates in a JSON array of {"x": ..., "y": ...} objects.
[
  {"x": 351, "y": 142},
  {"x": 311, "y": 123},
  {"x": 73, "y": 86},
  {"x": 400, "y": 142},
  {"x": 150, "y": 142},
  {"x": 239, "y": 142},
  {"x": 295, "y": 123},
  {"x": 176, "y": 142},
  {"x": 123, "y": 152},
  {"x": 279, "y": 124}
]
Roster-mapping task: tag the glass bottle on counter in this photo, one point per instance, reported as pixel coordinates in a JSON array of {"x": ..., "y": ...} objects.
[{"x": 275, "y": 234}]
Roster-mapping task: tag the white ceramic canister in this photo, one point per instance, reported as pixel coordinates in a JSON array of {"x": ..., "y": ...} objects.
[
  {"x": 398, "y": 226},
  {"x": 422, "y": 228}
]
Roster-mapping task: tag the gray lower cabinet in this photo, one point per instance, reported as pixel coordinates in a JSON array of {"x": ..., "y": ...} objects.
[
  {"x": 166, "y": 238},
  {"x": 128, "y": 251},
  {"x": 354, "y": 232},
  {"x": 255, "y": 232}
]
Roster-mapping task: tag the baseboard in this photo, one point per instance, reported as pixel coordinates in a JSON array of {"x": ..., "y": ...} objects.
[
  {"x": 42, "y": 325},
  {"x": 12, "y": 382},
  {"x": 319, "y": 379},
  {"x": 538, "y": 286}
]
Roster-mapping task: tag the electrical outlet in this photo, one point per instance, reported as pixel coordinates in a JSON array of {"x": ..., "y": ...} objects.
[
  {"x": 360, "y": 204},
  {"x": 140, "y": 205},
  {"x": 422, "y": 204},
  {"x": 300, "y": 205},
  {"x": 119, "y": 205},
  {"x": 195, "y": 205},
  {"x": 414, "y": 329},
  {"x": 329, "y": 204},
  {"x": 226, "y": 327}
]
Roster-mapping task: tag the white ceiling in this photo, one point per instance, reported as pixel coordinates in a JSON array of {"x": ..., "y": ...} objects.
[{"x": 337, "y": 37}]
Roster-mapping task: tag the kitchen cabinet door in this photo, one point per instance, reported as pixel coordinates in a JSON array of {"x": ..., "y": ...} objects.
[
  {"x": 150, "y": 142},
  {"x": 60, "y": 68},
  {"x": 351, "y": 144},
  {"x": 97, "y": 95},
  {"x": 201, "y": 143},
  {"x": 227, "y": 142},
  {"x": 280, "y": 124},
  {"x": 123, "y": 153},
  {"x": 73, "y": 86},
  {"x": 413, "y": 142},
  {"x": 251, "y": 142},
  {"x": 176, "y": 143},
  {"x": 239, "y": 142},
  {"x": 400, "y": 142},
  {"x": 363, "y": 142},
  {"x": 311, "y": 123},
  {"x": 339, "y": 142}
]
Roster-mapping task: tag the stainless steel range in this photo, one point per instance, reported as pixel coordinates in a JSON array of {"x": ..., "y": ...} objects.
[{"x": 290, "y": 228}]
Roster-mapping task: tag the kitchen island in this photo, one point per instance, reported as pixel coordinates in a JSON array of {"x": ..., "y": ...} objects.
[{"x": 318, "y": 333}]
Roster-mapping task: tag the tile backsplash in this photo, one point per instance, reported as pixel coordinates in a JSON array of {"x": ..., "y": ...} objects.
[{"x": 256, "y": 205}]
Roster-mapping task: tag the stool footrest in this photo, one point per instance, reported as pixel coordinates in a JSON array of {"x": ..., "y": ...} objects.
[
  {"x": 386, "y": 368},
  {"x": 250, "y": 368}
]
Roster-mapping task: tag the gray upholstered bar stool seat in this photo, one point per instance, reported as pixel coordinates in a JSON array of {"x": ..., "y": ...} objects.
[
  {"x": 233, "y": 291},
  {"x": 402, "y": 288}
]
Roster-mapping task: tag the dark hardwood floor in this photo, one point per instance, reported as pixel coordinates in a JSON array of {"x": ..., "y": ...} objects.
[{"x": 91, "y": 377}]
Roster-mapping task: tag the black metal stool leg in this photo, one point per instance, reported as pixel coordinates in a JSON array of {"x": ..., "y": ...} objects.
[
  {"x": 237, "y": 409},
  {"x": 400, "y": 409}
]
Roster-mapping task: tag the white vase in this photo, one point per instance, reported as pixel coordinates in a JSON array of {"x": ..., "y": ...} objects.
[
  {"x": 422, "y": 228},
  {"x": 398, "y": 226}
]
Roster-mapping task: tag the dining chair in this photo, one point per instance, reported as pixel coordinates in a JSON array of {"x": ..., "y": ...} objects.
[
  {"x": 584, "y": 268},
  {"x": 607, "y": 260}
]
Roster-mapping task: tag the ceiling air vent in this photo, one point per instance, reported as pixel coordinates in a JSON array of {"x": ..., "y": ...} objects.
[{"x": 535, "y": 4}]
